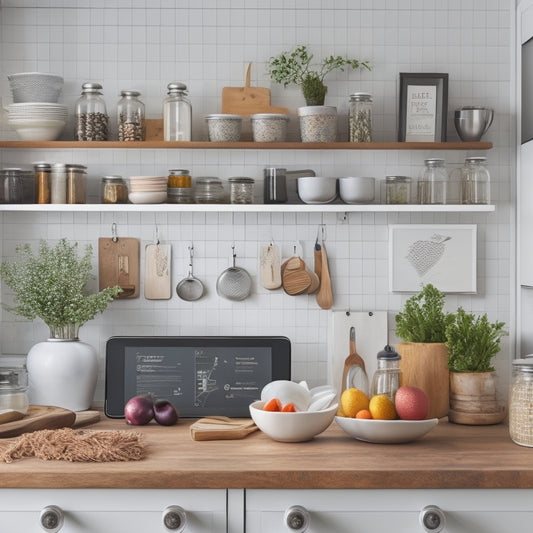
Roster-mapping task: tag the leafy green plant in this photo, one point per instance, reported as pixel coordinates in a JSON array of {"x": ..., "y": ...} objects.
[
  {"x": 472, "y": 342},
  {"x": 51, "y": 285},
  {"x": 295, "y": 67},
  {"x": 423, "y": 318}
]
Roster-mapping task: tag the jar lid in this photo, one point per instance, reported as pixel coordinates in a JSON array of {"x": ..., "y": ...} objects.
[
  {"x": 90, "y": 87},
  {"x": 389, "y": 353},
  {"x": 13, "y": 378},
  {"x": 74, "y": 166},
  {"x": 524, "y": 365},
  {"x": 112, "y": 178},
  {"x": 59, "y": 166},
  {"x": 177, "y": 87},
  {"x": 42, "y": 166},
  {"x": 221, "y": 116},
  {"x": 130, "y": 93},
  {"x": 476, "y": 159},
  {"x": 397, "y": 179},
  {"x": 434, "y": 162},
  {"x": 179, "y": 172},
  {"x": 241, "y": 180},
  {"x": 208, "y": 179},
  {"x": 11, "y": 170},
  {"x": 361, "y": 96},
  {"x": 269, "y": 116}
]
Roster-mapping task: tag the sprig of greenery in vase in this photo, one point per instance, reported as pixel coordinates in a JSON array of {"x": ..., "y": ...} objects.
[
  {"x": 51, "y": 285},
  {"x": 295, "y": 67}
]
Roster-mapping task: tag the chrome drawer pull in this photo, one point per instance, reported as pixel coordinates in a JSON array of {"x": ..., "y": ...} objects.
[
  {"x": 432, "y": 519},
  {"x": 297, "y": 518},
  {"x": 174, "y": 518},
  {"x": 51, "y": 518}
]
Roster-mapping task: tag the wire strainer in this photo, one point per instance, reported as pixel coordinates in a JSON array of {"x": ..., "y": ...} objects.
[
  {"x": 234, "y": 283},
  {"x": 190, "y": 288}
]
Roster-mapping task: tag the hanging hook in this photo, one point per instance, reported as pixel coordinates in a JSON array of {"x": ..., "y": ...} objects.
[
  {"x": 114, "y": 234},
  {"x": 156, "y": 235}
]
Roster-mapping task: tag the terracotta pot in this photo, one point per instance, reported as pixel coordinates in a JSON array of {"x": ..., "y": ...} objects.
[{"x": 425, "y": 365}]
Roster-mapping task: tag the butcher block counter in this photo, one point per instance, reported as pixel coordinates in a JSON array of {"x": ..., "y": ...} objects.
[{"x": 450, "y": 456}]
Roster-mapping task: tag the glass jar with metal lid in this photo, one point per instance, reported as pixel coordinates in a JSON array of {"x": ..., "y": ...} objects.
[
  {"x": 113, "y": 190},
  {"x": 179, "y": 178},
  {"x": 130, "y": 117},
  {"x": 12, "y": 185},
  {"x": 58, "y": 183},
  {"x": 360, "y": 117},
  {"x": 177, "y": 113},
  {"x": 521, "y": 402},
  {"x": 433, "y": 184},
  {"x": 42, "y": 182},
  {"x": 397, "y": 189},
  {"x": 209, "y": 190},
  {"x": 91, "y": 114},
  {"x": 13, "y": 387},
  {"x": 76, "y": 184},
  {"x": 241, "y": 190},
  {"x": 388, "y": 376},
  {"x": 475, "y": 181}
]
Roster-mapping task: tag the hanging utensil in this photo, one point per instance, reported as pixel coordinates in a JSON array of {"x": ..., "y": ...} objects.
[
  {"x": 324, "y": 296},
  {"x": 234, "y": 283},
  {"x": 318, "y": 254},
  {"x": 269, "y": 266},
  {"x": 354, "y": 373},
  {"x": 157, "y": 268},
  {"x": 190, "y": 288},
  {"x": 295, "y": 278}
]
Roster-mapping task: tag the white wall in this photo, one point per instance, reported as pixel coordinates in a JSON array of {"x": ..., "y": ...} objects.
[{"x": 145, "y": 44}]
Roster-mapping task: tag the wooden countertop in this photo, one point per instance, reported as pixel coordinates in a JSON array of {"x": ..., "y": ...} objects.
[{"x": 450, "y": 456}]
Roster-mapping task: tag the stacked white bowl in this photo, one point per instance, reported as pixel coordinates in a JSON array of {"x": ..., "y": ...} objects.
[
  {"x": 35, "y": 113},
  {"x": 147, "y": 189}
]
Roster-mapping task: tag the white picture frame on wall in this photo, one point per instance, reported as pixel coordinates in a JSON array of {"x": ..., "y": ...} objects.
[{"x": 444, "y": 255}]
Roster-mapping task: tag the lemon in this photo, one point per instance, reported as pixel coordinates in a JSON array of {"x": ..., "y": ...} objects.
[
  {"x": 352, "y": 401},
  {"x": 382, "y": 408}
]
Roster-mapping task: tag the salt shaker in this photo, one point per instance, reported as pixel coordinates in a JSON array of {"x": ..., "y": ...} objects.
[{"x": 388, "y": 376}]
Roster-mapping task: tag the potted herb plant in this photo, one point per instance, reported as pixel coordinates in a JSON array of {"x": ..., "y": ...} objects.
[
  {"x": 51, "y": 285},
  {"x": 422, "y": 327},
  {"x": 472, "y": 343},
  {"x": 318, "y": 123}
]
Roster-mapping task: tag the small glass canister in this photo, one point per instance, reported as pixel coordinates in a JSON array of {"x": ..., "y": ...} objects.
[
  {"x": 113, "y": 190},
  {"x": 91, "y": 114},
  {"x": 241, "y": 190},
  {"x": 42, "y": 182},
  {"x": 475, "y": 182},
  {"x": 388, "y": 376},
  {"x": 13, "y": 387},
  {"x": 76, "y": 184},
  {"x": 130, "y": 117},
  {"x": 521, "y": 402},
  {"x": 12, "y": 185},
  {"x": 179, "y": 187},
  {"x": 433, "y": 184},
  {"x": 179, "y": 178},
  {"x": 58, "y": 183},
  {"x": 360, "y": 117},
  {"x": 209, "y": 190},
  {"x": 398, "y": 189}
]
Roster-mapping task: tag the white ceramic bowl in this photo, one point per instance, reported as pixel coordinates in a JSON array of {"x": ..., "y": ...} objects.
[
  {"x": 147, "y": 197},
  {"x": 37, "y": 130},
  {"x": 317, "y": 190},
  {"x": 357, "y": 189},
  {"x": 385, "y": 431},
  {"x": 292, "y": 427}
]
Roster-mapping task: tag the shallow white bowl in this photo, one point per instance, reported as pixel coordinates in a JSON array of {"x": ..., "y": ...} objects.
[
  {"x": 147, "y": 197},
  {"x": 357, "y": 189},
  {"x": 317, "y": 190},
  {"x": 37, "y": 130},
  {"x": 385, "y": 431},
  {"x": 292, "y": 427}
]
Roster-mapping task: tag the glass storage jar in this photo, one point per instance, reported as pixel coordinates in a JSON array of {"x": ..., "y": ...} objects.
[
  {"x": 388, "y": 376},
  {"x": 433, "y": 184},
  {"x": 130, "y": 117},
  {"x": 42, "y": 182},
  {"x": 58, "y": 184},
  {"x": 521, "y": 402},
  {"x": 91, "y": 114},
  {"x": 13, "y": 387},
  {"x": 241, "y": 190},
  {"x": 360, "y": 120},
  {"x": 12, "y": 185},
  {"x": 76, "y": 184},
  {"x": 179, "y": 187},
  {"x": 475, "y": 181},
  {"x": 398, "y": 189},
  {"x": 179, "y": 178},
  {"x": 209, "y": 190},
  {"x": 177, "y": 113},
  {"x": 113, "y": 190}
]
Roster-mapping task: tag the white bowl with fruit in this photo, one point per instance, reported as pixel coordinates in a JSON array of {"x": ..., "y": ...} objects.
[{"x": 383, "y": 421}]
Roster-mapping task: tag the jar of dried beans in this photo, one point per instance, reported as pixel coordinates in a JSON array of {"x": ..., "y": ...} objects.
[
  {"x": 91, "y": 114},
  {"x": 130, "y": 117},
  {"x": 360, "y": 118}
]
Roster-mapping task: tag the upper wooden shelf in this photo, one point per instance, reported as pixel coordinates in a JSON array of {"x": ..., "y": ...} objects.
[{"x": 251, "y": 145}]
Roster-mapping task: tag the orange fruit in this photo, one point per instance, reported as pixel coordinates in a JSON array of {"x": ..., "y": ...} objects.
[
  {"x": 272, "y": 405},
  {"x": 352, "y": 401},
  {"x": 364, "y": 413},
  {"x": 382, "y": 408},
  {"x": 289, "y": 408}
]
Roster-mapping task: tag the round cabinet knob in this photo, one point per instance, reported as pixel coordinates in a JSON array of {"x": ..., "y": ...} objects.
[
  {"x": 432, "y": 519},
  {"x": 174, "y": 518},
  {"x": 52, "y": 518},
  {"x": 297, "y": 518}
]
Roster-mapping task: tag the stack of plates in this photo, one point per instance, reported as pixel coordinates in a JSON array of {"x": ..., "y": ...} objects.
[
  {"x": 37, "y": 121},
  {"x": 147, "y": 189}
]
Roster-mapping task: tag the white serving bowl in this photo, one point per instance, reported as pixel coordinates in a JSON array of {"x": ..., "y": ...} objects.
[
  {"x": 287, "y": 392},
  {"x": 292, "y": 427},
  {"x": 147, "y": 197},
  {"x": 357, "y": 190},
  {"x": 37, "y": 130},
  {"x": 317, "y": 190},
  {"x": 35, "y": 86},
  {"x": 385, "y": 431}
]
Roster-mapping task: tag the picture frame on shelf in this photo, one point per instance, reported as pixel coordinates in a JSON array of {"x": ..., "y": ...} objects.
[
  {"x": 444, "y": 255},
  {"x": 423, "y": 107}
]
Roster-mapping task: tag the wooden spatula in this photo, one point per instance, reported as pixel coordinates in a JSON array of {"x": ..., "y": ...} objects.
[
  {"x": 324, "y": 297},
  {"x": 354, "y": 362},
  {"x": 221, "y": 428}
]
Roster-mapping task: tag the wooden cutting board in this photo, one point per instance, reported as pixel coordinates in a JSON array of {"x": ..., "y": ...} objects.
[
  {"x": 246, "y": 101},
  {"x": 221, "y": 428},
  {"x": 47, "y": 417},
  {"x": 118, "y": 264},
  {"x": 157, "y": 269}
]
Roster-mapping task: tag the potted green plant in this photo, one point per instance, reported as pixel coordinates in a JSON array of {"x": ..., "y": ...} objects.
[
  {"x": 422, "y": 327},
  {"x": 473, "y": 341},
  {"x": 51, "y": 285}
]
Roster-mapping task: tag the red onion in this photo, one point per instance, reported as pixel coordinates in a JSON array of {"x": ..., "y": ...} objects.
[
  {"x": 165, "y": 413},
  {"x": 139, "y": 410}
]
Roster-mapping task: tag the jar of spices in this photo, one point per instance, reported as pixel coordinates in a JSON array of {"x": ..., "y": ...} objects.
[
  {"x": 209, "y": 190},
  {"x": 433, "y": 184},
  {"x": 42, "y": 182},
  {"x": 475, "y": 181},
  {"x": 177, "y": 113},
  {"x": 179, "y": 187},
  {"x": 521, "y": 402},
  {"x": 388, "y": 376},
  {"x": 58, "y": 183},
  {"x": 241, "y": 190},
  {"x": 113, "y": 190},
  {"x": 360, "y": 117},
  {"x": 13, "y": 387},
  {"x": 91, "y": 114},
  {"x": 12, "y": 185},
  {"x": 397, "y": 189},
  {"x": 179, "y": 178},
  {"x": 76, "y": 184},
  {"x": 130, "y": 117}
]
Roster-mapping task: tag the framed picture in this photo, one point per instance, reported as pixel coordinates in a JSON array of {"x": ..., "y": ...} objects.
[
  {"x": 443, "y": 255},
  {"x": 423, "y": 107}
]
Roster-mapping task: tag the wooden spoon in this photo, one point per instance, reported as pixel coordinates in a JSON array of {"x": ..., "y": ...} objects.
[
  {"x": 354, "y": 364},
  {"x": 315, "y": 282},
  {"x": 324, "y": 297}
]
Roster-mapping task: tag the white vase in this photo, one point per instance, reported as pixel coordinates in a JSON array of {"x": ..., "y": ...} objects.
[{"x": 62, "y": 373}]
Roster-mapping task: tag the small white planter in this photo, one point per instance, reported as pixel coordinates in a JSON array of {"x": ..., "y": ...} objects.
[{"x": 318, "y": 123}]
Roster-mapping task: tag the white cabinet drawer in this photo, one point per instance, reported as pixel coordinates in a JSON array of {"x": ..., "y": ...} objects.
[
  {"x": 391, "y": 511},
  {"x": 112, "y": 510}
]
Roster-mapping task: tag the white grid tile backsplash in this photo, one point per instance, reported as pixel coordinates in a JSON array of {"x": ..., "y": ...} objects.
[{"x": 145, "y": 44}]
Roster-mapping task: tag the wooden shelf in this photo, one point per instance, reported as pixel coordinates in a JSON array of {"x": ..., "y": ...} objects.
[{"x": 249, "y": 145}]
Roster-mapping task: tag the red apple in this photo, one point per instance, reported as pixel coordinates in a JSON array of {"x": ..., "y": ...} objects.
[{"x": 411, "y": 403}]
